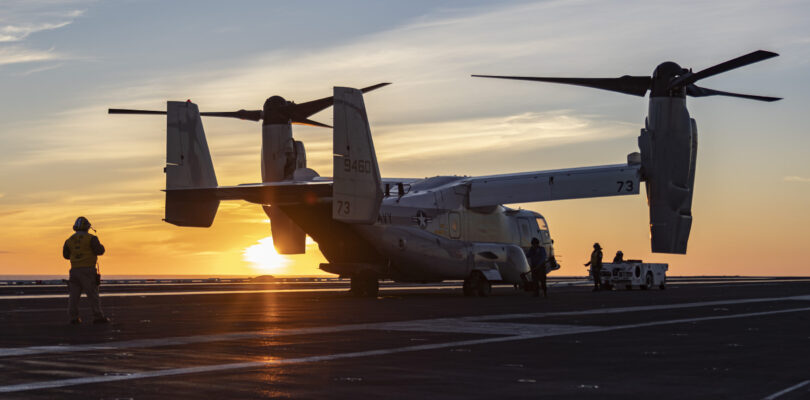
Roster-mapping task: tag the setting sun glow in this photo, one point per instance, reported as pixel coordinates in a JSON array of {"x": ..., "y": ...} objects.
[{"x": 264, "y": 258}]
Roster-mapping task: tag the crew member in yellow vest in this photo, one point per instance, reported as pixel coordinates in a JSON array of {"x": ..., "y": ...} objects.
[
  {"x": 596, "y": 266},
  {"x": 83, "y": 249}
]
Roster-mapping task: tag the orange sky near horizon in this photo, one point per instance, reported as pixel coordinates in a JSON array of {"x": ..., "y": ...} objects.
[{"x": 61, "y": 154}]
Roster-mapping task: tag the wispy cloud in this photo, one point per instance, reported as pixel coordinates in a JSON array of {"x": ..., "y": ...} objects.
[
  {"x": 18, "y": 55},
  {"x": 796, "y": 179},
  {"x": 19, "y": 20},
  {"x": 15, "y": 33}
]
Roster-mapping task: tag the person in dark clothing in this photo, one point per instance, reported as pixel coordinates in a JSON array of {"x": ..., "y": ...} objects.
[
  {"x": 596, "y": 266},
  {"x": 83, "y": 249},
  {"x": 619, "y": 258},
  {"x": 537, "y": 263}
]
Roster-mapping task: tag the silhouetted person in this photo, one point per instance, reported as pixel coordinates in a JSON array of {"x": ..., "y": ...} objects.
[
  {"x": 537, "y": 262},
  {"x": 83, "y": 249},
  {"x": 596, "y": 266},
  {"x": 619, "y": 258}
]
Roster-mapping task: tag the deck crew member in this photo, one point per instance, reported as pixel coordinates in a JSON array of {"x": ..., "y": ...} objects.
[
  {"x": 537, "y": 262},
  {"x": 596, "y": 266},
  {"x": 83, "y": 249},
  {"x": 619, "y": 258}
]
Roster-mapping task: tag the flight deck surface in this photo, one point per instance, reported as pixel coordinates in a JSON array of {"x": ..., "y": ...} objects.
[{"x": 699, "y": 338}]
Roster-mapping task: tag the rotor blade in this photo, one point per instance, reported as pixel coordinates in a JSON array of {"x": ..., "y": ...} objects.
[
  {"x": 310, "y": 123},
  {"x": 127, "y": 111},
  {"x": 304, "y": 110},
  {"x": 251, "y": 115},
  {"x": 738, "y": 62},
  {"x": 635, "y": 85},
  {"x": 697, "y": 91}
]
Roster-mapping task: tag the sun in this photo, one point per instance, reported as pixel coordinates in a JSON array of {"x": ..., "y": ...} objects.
[{"x": 265, "y": 259}]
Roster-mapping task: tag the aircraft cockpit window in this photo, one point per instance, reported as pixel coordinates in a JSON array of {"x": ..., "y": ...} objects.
[
  {"x": 543, "y": 231},
  {"x": 541, "y": 224}
]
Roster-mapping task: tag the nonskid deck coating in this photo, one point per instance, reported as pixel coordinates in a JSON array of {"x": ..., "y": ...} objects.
[{"x": 345, "y": 334}]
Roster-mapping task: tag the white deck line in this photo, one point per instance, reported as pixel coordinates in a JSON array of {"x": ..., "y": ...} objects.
[
  {"x": 210, "y": 292},
  {"x": 369, "y": 353},
  {"x": 183, "y": 340},
  {"x": 786, "y": 391}
]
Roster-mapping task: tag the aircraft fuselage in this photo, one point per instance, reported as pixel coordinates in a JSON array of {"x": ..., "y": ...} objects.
[{"x": 427, "y": 234}]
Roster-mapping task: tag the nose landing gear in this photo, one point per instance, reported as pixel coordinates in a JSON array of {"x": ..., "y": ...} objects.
[{"x": 477, "y": 284}]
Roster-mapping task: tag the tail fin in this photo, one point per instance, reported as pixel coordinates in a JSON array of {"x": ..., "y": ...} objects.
[
  {"x": 357, "y": 189},
  {"x": 188, "y": 166}
]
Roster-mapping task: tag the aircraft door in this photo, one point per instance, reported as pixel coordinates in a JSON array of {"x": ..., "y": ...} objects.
[{"x": 454, "y": 225}]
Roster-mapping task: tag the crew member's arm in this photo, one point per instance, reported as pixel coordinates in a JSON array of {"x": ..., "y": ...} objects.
[
  {"x": 66, "y": 251},
  {"x": 97, "y": 247}
]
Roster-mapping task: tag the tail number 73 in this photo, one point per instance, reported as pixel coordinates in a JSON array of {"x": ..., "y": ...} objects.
[
  {"x": 361, "y": 166},
  {"x": 343, "y": 207},
  {"x": 626, "y": 186}
]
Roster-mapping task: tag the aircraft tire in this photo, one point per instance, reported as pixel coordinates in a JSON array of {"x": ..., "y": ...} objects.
[
  {"x": 484, "y": 288},
  {"x": 467, "y": 288},
  {"x": 364, "y": 285},
  {"x": 372, "y": 286}
]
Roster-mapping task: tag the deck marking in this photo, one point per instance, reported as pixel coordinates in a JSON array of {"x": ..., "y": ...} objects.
[
  {"x": 368, "y": 353},
  {"x": 788, "y": 390},
  {"x": 209, "y": 292},
  {"x": 183, "y": 340}
]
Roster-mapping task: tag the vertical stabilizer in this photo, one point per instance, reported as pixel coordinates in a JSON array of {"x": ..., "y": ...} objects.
[
  {"x": 188, "y": 165},
  {"x": 357, "y": 191}
]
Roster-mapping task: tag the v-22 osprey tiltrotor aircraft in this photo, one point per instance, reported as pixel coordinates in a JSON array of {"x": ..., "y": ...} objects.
[{"x": 440, "y": 228}]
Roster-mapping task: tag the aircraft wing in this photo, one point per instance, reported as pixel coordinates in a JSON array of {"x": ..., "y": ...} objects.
[
  {"x": 269, "y": 193},
  {"x": 559, "y": 184}
]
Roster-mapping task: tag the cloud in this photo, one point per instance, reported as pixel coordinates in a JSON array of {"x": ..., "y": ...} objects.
[
  {"x": 19, "y": 20},
  {"x": 18, "y": 55},
  {"x": 796, "y": 179},
  {"x": 15, "y": 33}
]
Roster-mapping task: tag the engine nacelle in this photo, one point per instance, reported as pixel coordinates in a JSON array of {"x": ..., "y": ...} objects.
[
  {"x": 281, "y": 157},
  {"x": 288, "y": 237},
  {"x": 668, "y": 155}
]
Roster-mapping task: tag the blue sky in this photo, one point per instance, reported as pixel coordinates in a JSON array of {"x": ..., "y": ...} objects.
[{"x": 63, "y": 63}]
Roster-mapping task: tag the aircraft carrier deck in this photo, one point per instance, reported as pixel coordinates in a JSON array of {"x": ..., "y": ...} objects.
[{"x": 700, "y": 338}]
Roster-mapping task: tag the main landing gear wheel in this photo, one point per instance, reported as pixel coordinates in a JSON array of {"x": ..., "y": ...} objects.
[
  {"x": 365, "y": 285},
  {"x": 467, "y": 288},
  {"x": 477, "y": 284}
]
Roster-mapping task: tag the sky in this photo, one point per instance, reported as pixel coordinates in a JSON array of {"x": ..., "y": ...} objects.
[{"x": 63, "y": 63}]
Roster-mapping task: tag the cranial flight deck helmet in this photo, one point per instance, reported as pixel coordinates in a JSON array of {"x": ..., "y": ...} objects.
[
  {"x": 81, "y": 224},
  {"x": 597, "y": 246}
]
